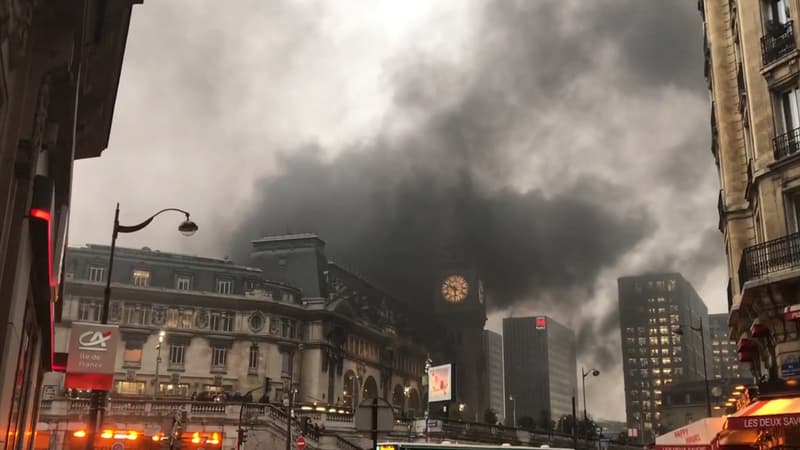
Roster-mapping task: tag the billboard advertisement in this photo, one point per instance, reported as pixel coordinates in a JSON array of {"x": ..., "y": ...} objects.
[
  {"x": 440, "y": 386},
  {"x": 92, "y": 356}
]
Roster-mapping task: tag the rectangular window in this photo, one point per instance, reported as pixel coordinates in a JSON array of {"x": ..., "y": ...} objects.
[
  {"x": 225, "y": 286},
  {"x": 787, "y": 117},
  {"x": 219, "y": 357},
  {"x": 129, "y": 387},
  {"x": 174, "y": 389},
  {"x": 183, "y": 282},
  {"x": 253, "y": 360},
  {"x": 96, "y": 273},
  {"x": 89, "y": 311},
  {"x": 136, "y": 314},
  {"x": 132, "y": 357},
  {"x": 177, "y": 354},
  {"x": 776, "y": 11},
  {"x": 792, "y": 210},
  {"x": 141, "y": 278},
  {"x": 222, "y": 321}
]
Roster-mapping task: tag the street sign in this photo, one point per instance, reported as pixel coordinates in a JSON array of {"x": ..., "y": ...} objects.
[{"x": 301, "y": 443}]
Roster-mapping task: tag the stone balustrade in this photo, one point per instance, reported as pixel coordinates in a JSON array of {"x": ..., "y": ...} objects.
[{"x": 228, "y": 412}]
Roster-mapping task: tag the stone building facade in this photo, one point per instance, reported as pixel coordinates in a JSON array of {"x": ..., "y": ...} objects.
[
  {"x": 202, "y": 331},
  {"x": 751, "y": 65},
  {"x": 60, "y": 63}
]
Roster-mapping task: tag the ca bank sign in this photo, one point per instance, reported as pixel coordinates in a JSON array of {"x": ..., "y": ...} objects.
[{"x": 92, "y": 356}]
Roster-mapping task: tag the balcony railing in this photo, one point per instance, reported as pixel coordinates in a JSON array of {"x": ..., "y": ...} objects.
[
  {"x": 228, "y": 411},
  {"x": 778, "y": 40},
  {"x": 769, "y": 257},
  {"x": 786, "y": 144}
]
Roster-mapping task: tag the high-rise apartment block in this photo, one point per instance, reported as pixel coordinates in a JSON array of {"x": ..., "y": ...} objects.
[
  {"x": 540, "y": 369},
  {"x": 724, "y": 363},
  {"x": 652, "y": 307}
]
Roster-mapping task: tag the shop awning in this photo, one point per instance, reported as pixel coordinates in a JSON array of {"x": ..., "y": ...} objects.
[
  {"x": 697, "y": 435},
  {"x": 736, "y": 440},
  {"x": 768, "y": 413}
]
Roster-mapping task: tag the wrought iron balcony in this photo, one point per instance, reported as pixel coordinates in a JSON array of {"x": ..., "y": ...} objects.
[
  {"x": 769, "y": 257},
  {"x": 778, "y": 40},
  {"x": 786, "y": 144}
]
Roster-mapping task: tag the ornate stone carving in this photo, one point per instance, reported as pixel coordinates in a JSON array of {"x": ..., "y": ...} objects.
[
  {"x": 159, "y": 315},
  {"x": 201, "y": 319},
  {"x": 256, "y": 322}
]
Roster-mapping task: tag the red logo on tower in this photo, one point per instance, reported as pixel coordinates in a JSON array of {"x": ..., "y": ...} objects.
[{"x": 541, "y": 323}]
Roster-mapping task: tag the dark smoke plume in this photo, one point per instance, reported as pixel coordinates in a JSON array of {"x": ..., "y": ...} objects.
[{"x": 441, "y": 172}]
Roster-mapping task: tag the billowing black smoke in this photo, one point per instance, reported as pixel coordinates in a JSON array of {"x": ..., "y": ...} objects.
[{"x": 442, "y": 172}]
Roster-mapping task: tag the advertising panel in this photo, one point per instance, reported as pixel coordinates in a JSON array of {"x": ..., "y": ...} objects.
[
  {"x": 440, "y": 388},
  {"x": 92, "y": 356}
]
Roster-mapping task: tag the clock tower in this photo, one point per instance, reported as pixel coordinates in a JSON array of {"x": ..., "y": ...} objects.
[{"x": 459, "y": 304}]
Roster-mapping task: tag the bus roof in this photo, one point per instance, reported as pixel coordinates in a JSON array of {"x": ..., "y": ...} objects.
[{"x": 447, "y": 445}]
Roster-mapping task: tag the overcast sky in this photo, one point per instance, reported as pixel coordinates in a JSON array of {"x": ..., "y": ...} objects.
[{"x": 567, "y": 141}]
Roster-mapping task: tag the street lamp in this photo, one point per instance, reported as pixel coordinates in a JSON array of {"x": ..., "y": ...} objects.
[
  {"x": 679, "y": 331},
  {"x": 406, "y": 394},
  {"x": 513, "y": 411},
  {"x": 426, "y": 385},
  {"x": 161, "y": 335},
  {"x": 186, "y": 228},
  {"x": 594, "y": 373}
]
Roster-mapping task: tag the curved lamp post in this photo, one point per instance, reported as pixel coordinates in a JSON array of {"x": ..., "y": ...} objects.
[
  {"x": 186, "y": 228},
  {"x": 594, "y": 373}
]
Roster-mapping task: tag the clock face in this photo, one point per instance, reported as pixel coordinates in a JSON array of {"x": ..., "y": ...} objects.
[{"x": 455, "y": 289}]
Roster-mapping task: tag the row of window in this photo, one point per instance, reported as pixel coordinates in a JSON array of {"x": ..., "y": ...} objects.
[
  {"x": 672, "y": 371},
  {"x": 666, "y": 339},
  {"x": 659, "y": 285},
  {"x": 648, "y": 380},
  {"x": 141, "y": 278},
  {"x": 176, "y": 356},
  {"x": 644, "y": 362},
  {"x": 185, "y": 318},
  {"x": 127, "y": 387}
]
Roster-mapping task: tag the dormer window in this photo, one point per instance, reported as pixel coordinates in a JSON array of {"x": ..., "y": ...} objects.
[
  {"x": 96, "y": 273},
  {"x": 225, "y": 286},
  {"x": 141, "y": 278},
  {"x": 183, "y": 282}
]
